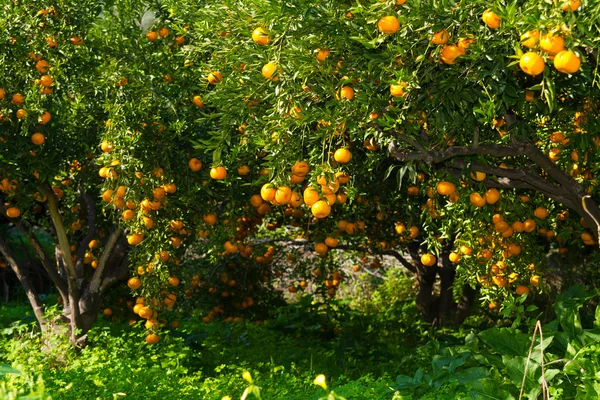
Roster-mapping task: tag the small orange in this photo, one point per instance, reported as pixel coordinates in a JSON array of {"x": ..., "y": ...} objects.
[
  {"x": 21, "y": 113},
  {"x": 450, "y": 53},
  {"x": 76, "y": 41},
  {"x": 44, "y": 118},
  {"x": 492, "y": 196},
  {"x": 491, "y": 19},
  {"x": 477, "y": 200},
  {"x": 42, "y": 66},
  {"x": 445, "y": 188},
  {"x": 268, "y": 71},
  {"x": 342, "y": 155},
  {"x": 567, "y": 62},
  {"x": 529, "y": 225},
  {"x": 440, "y": 37},
  {"x": 152, "y": 338},
  {"x": 106, "y": 146},
  {"x": 521, "y": 290},
  {"x": 346, "y": 92},
  {"x": 570, "y": 5},
  {"x": 218, "y": 173},
  {"x": 388, "y": 24},
  {"x": 198, "y": 102},
  {"x": 13, "y": 212},
  {"x": 541, "y": 212},
  {"x": 454, "y": 257},
  {"x": 163, "y": 32},
  {"x": 320, "y": 209},
  {"x": 194, "y": 164},
  {"x": 322, "y": 54},
  {"x": 428, "y": 259},
  {"x": 397, "y": 89},
  {"x": 134, "y": 283},
  {"x": 38, "y": 138},
  {"x": 152, "y": 36},
  {"x": 17, "y": 99},
  {"x": 261, "y": 37},
  {"x": 552, "y": 44},
  {"x": 532, "y": 63},
  {"x": 283, "y": 195},
  {"x": 46, "y": 81},
  {"x": 215, "y": 77},
  {"x": 530, "y": 38},
  {"x": 310, "y": 196}
]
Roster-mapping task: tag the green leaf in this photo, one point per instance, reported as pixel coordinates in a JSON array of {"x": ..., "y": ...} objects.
[
  {"x": 7, "y": 369},
  {"x": 506, "y": 341},
  {"x": 489, "y": 389},
  {"x": 516, "y": 370}
]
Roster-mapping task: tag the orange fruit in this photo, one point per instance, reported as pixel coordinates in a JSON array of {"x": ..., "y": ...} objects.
[
  {"x": 261, "y": 37},
  {"x": 215, "y": 77},
  {"x": 464, "y": 43},
  {"x": 300, "y": 168},
  {"x": 518, "y": 226},
  {"x": 450, "y": 53},
  {"x": 557, "y": 137},
  {"x": 106, "y": 146},
  {"x": 46, "y": 81},
  {"x": 478, "y": 176},
  {"x": 440, "y": 37},
  {"x": 532, "y": 63},
  {"x": 128, "y": 215},
  {"x": 42, "y": 66},
  {"x": 552, "y": 44},
  {"x": 388, "y": 24},
  {"x": 521, "y": 290},
  {"x": 320, "y": 209},
  {"x": 529, "y": 225},
  {"x": 195, "y": 165},
  {"x": 477, "y": 200},
  {"x": 491, "y": 19},
  {"x": 466, "y": 250},
  {"x": 135, "y": 238},
  {"x": 310, "y": 196},
  {"x": 321, "y": 248},
  {"x": 152, "y": 338},
  {"x": 244, "y": 170},
  {"x": 134, "y": 283},
  {"x": 38, "y": 138},
  {"x": 342, "y": 155},
  {"x": 51, "y": 41},
  {"x": 13, "y": 212},
  {"x": 332, "y": 242},
  {"x": 283, "y": 195},
  {"x": 209, "y": 219},
  {"x": 530, "y": 38},
  {"x": 570, "y": 5},
  {"x": 268, "y": 70},
  {"x": 534, "y": 280},
  {"x": 163, "y": 32},
  {"x": 44, "y": 118},
  {"x": 322, "y": 54},
  {"x": 346, "y": 92},
  {"x": 267, "y": 192},
  {"x": 17, "y": 99},
  {"x": 21, "y": 113},
  {"x": 76, "y": 41},
  {"x": 218, "y": 173},
  {"x": 492, "y": 196},
  {"x": 152, "y": 36},
  {"x": 198, "y": 102},
  {"x": 445, "y": 188},
  {"x": 428, "y": 259},
  {"x": 541, "y": 212},
  {"x": 567, "y": 62},
  {"x": 454, "y": 257},
  {"x": 397, "y": 89}
]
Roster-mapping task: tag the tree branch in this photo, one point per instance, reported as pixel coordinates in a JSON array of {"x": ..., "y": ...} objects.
[
  {"x": 87, "y": 201},
  {"x": 106, "y": 253}
]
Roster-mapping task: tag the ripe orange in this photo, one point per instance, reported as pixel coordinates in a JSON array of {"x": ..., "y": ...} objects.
[
  {"x": 261, "y": 37},
  {"x": 268, "y": 70},
  {"x": 532, "y": 63},
  {"x": 159, "y": 193},
  {"x": 567, "y": 62},
  {"x": 198, "y": 102},
  {"x": 466, "y": 250},
  {"x": 194, "y": 164},
  {"x": 445, "y": 188},
  {"x": 534, "y": 280},
  {"x": 163, "y": 32},
  {"x": 152, "y": 36},
  {"x": 492, "y": 196},
  {"x": 478, "y": 176},
  {"x": 17, "y": 99},
  {"x": 42, "y": 66},
  {"x": 321, "y": 248},
  {"x": 541, "y": 212},
  {"x": 388, "y": 24},
  {"x": 13, "y": 212},
  {"x": 552, "y": 44},
  {"x": 346, "y": 92},
  {"x": 440, "y": 37},
  {"x": 44, "y": 118},
  {"x": 529, "y": 225},
  {"x": 209, "y": 219},
  {"x": 332, "y": 242},
  {"x": 491, "y": 19},
  {"x": 477, "y": 200},
  {"x": 134, "y": 283},
  {"x": 397, "y": 89},
  {"x": 320, "y": 209},
  {"x": 322, "y": 54},
  {"x": 530, "y": 38},
  {"x": 244, "y": 170},
  {"x": 21, "y": 113},
  {"x": 135, "y": 238},
  {"x": 76, "y": 41},
  {"x": 106, "y": 146},
  {"x": 428, "y": 259},
  {"x": 283, "y": 195},
  {"x": 570, "y": 5},
  {"x": 51, "y": 41},
  {"x": 218, "y": 173},
  {"x": 128, "y": 215},
  {"x": 450, "y": 53},
  {"x": 152, "y": 338},
  {"x": 518, "y": 226},
  {"x": 464, "y": 43},
  {"x": 38, "y": 138},
  {"x": 300, "y": 168},
  {"x": 310, "y": 196},
  {"x": 267, "y": 192},
  {"x": 215, "y": 77},
  {"x": 342, "y": 155},
  {"x": 46, "y": 81},
  {"x": 454, "y": 257},
  {"x": 521, "y": 290}
]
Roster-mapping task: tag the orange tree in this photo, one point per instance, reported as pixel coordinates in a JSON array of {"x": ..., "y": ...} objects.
[{"x": 459, "y": 133}]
